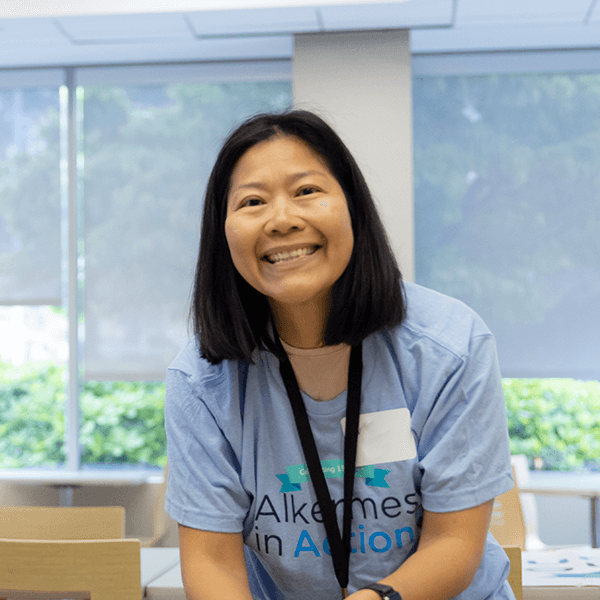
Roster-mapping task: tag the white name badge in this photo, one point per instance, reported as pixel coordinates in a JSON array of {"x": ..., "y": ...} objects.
[{"x": 384, "y": 437}]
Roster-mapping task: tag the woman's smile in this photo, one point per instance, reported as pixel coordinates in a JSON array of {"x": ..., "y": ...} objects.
[
  {"x": 288, "y": 226},
  {"x": 279, "y": 256}
]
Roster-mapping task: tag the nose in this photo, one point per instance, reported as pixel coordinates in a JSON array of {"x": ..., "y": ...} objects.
[{"x": 284, "y": 216}]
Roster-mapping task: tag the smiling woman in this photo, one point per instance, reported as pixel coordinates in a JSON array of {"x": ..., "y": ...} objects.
[
  {"x": 319, "y": 380},
  {"x": 289, "y": 233},
  {"x": 285, "y": 183}
]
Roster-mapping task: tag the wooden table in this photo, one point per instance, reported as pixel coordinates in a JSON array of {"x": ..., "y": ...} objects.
[
  {"x": 67, "y": 481},
  {"x": 582, "y": 485},
  {"x": 545, "y": 577}
]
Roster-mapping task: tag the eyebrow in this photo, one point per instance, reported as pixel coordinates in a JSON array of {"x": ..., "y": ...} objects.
[{"x": 292, "y": 178}]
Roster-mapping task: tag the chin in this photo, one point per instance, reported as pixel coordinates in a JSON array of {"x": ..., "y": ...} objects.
[{"x": 297, "y": 298}]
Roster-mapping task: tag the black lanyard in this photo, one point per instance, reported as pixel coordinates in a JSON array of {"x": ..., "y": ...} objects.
[{"x": 338, "y": 544}]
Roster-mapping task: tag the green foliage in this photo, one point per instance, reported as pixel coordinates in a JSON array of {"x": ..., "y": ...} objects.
[
  {"x": 121, "y": 422},
  {"x": 556, "y": 420},
  {"x": 32, "y": 422}
]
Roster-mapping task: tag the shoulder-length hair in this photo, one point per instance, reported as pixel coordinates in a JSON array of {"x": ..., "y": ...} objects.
[{"x": 231, "y": 319}]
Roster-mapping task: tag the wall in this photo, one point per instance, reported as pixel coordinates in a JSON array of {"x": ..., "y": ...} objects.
[{"x": 360, "y": 83}]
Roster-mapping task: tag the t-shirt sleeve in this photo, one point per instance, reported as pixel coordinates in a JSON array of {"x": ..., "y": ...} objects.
[
  {"x": 204, "y": 489},
  {"x": 462, "y": 437}
]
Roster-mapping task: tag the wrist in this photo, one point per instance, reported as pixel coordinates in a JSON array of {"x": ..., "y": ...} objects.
[
  {"x": 365, "y": 595},
  {"x": 382, "y": 591}
]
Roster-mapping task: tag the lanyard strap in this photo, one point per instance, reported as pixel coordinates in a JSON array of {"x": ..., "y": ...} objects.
[{"x": 338, "y": 544}]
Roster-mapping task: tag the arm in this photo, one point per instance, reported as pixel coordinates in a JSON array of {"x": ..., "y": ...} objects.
[
  {"x": 213, "y": 565},
  {"x": 449, "y": 553}
]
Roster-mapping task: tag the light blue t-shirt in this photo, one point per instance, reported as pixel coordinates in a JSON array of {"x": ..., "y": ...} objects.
[{"x": 433, "y": 435}]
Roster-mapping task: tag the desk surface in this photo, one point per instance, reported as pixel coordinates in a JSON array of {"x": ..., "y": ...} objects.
[
  {"x": 157, "y": 561},
  {"x": 567, "y": 573},
  {"x": 168, "y": 586},
  {"x": 546, "y": 576},
  {"x": 548, "y": 490},
  {"x": 60, "y": 477},
  {"x": 564, "y": 484}
]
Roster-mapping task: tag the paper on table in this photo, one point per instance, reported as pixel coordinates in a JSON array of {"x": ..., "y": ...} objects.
[{"x": 569, "y": 567}]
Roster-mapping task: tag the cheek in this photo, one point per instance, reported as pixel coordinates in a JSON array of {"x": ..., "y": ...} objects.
[
  {"x": 345, "y": 226},
  {"x": 234, "y": 235},
  {"x": 240, "y": 245}
]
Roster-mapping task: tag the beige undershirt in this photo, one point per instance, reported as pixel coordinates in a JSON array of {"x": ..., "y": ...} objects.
[{"x": 321, "y": 372}]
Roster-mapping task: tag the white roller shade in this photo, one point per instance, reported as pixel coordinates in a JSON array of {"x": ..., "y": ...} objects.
[
  {"x": 507, "y": 204},
  {"x": 148, "y": 150},
  {"x": 30, "y": 198}
]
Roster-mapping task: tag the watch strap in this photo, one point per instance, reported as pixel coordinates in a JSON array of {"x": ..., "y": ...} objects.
[{"x": 386, "y": 592}]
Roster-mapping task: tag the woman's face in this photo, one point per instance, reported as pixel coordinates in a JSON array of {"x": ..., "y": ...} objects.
[{"x": 288, "y": 227}]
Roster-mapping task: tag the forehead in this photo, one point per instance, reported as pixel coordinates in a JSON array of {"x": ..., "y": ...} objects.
[{"x": 274, "y": 155}]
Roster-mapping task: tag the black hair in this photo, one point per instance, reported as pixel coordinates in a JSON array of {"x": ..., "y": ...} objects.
[{"x": 230, "y": 319}]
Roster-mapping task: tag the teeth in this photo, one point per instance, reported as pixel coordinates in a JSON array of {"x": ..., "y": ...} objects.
[{"x": 274, "y": 258}]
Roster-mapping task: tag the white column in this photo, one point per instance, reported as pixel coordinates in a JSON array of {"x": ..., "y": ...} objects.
[{"x": 360, "y": 83}]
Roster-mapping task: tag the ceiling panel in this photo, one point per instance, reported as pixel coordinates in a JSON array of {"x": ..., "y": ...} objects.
[
  {"x": 31, "y": 31},
  {"x": 480, "y": 25},
  {"x": 425, "y": 13},
  {"x": 254, "y": 22},
  {"x": 521, "y": 12},
  {"x": 54, "y": 8},
  {"x": 143, "y": 27},
  {"x": 227, "y": 49},
  {"x": 476, "y": 39}
]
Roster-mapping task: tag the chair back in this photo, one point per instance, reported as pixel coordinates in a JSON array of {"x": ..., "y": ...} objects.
[
  {"x": 96, "y": 569},
  {"x": 528, "y": 503},
  {"x": 507, "y": 524},
  {"x": 62, "y": 523},
  {"x": 161, "y": 518},
  {"x": 515, "y": 576}
]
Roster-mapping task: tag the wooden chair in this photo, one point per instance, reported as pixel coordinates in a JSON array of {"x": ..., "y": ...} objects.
[
  {"x": 161, "y": 518},
  {"x": 62, "y": 523},
  {"x": 528, "y": 503},
  {"x": 96, "y": 569},
  {"x": 515, "y": 576},
  {"x": 507, "y": 524}
]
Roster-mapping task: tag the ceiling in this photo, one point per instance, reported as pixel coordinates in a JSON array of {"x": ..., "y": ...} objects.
[{"x": 42, "y": 33}]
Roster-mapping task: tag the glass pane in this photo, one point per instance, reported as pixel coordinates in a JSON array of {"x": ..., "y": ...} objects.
[
  {"x": 30, "y": 196},
  {"x": 555, "y": 423},
  {"x": 33, "y": 356},
  {"x": 507, "y": 210},
  {"x": 33, "y": 341},
  {"x": 148, "y": 153},
  {"x": 122, "y": 423}
]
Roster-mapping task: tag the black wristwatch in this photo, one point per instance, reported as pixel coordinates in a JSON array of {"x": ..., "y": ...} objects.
[{"x": 385, "y": 591}]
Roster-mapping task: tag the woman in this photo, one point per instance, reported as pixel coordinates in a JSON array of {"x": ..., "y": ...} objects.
[{"x": 305, "y": 331}]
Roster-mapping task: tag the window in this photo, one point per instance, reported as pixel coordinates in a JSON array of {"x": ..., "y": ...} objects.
[
  {"x": 507, "y": 216},
  {"x": 115, "y": 261},
  {"x": 33, "y": 328}
]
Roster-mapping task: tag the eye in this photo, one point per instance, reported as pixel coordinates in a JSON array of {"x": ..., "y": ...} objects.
[
  {"x": 251, "y": 202},
  {"x": 307, "y": 190}
]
